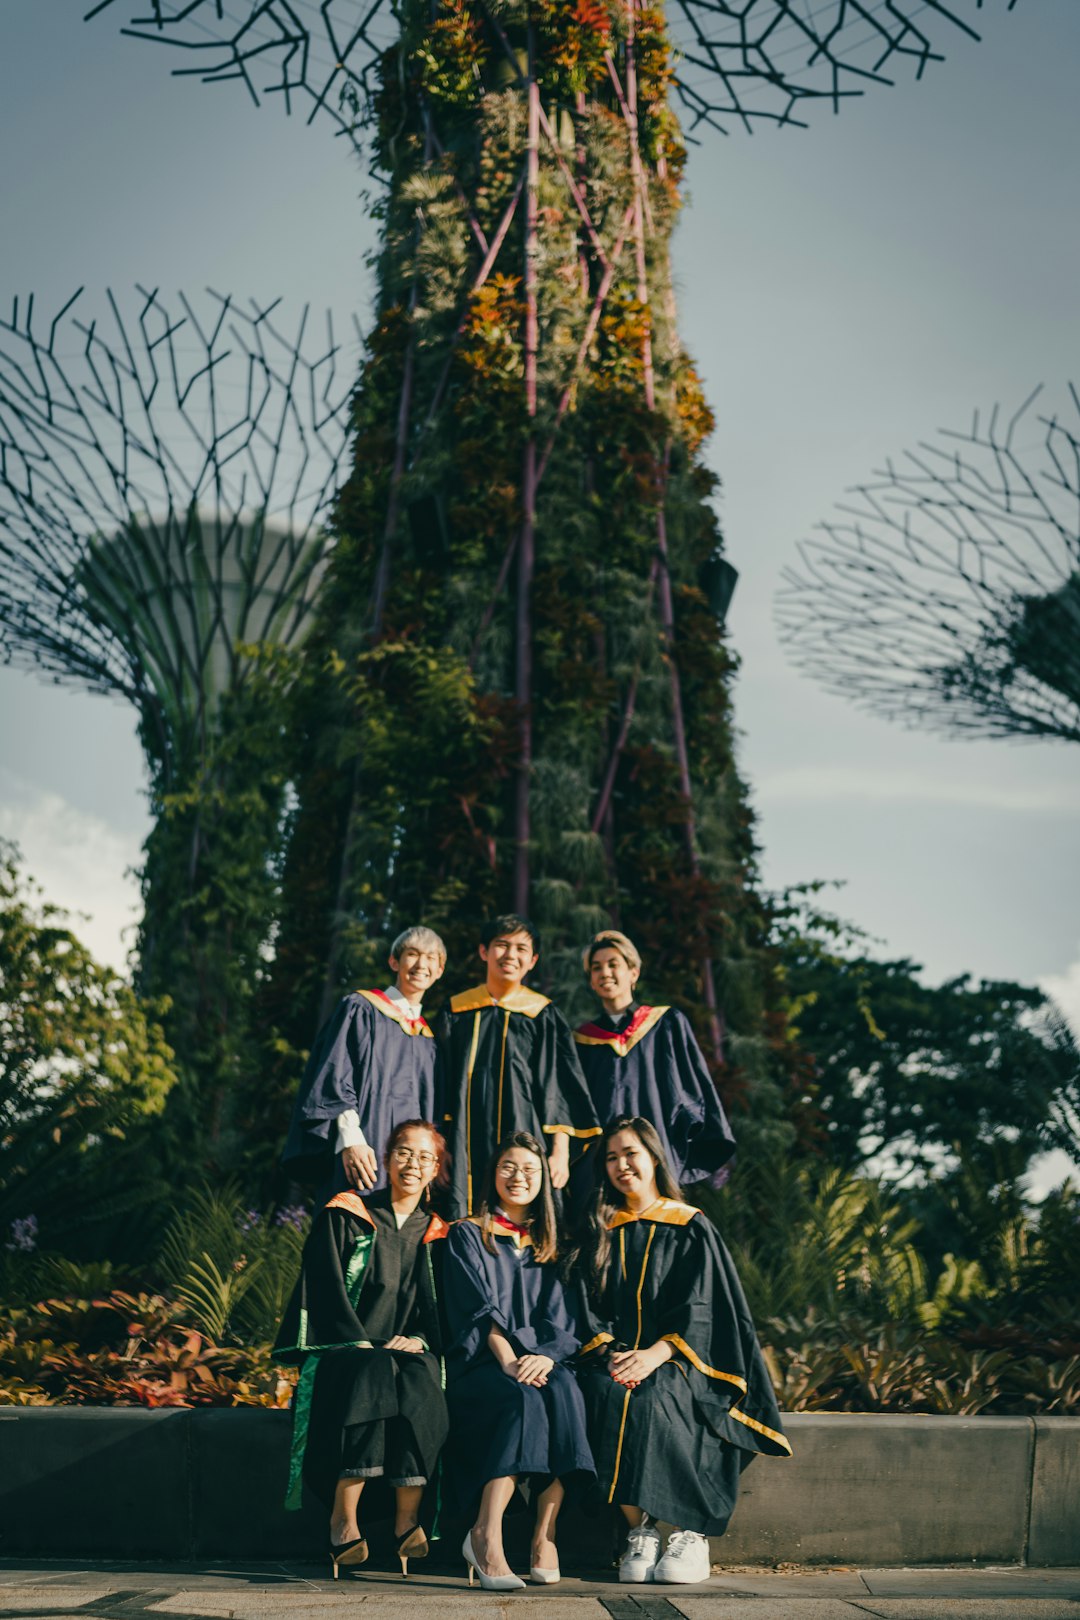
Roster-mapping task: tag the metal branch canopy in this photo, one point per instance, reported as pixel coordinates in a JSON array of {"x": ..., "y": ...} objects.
[
  {"x": 737, "y": 63},
  {"x": 742, "y": 62},
  {"x": 948, "y": 595},
  {"x": 163, "y": 476}
]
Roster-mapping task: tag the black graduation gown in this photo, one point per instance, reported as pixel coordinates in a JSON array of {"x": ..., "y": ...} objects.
[
  {"x": 676, "y": 1445},
  {"x": 370, "y": 1057},
  {"x": 647, "y": 1062},
  {"x": 362, "y": 1281},
  {"x": 500, "y": 1428},
  {"x": 508, "y": 1065}
]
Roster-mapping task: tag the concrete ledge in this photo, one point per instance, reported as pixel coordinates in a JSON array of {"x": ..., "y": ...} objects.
[
  {"x": 1054, "y": 1535},
  {"x": 122, "y": 1482},
  {"x": 890, "y": 1490}
]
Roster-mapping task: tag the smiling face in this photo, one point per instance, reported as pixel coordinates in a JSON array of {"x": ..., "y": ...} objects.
[
  {"x": 412, "y": 1163},
  {"x": 631, "y": 1169},
  {"x": 508, "y": 958},
  {"x": 519, "y": 1176},
  {"x": 612, "y": 977},
  {"x": 416, "y": 970}
]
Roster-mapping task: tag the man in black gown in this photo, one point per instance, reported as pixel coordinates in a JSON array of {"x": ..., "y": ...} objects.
[{"x": 508, "y": 1062}]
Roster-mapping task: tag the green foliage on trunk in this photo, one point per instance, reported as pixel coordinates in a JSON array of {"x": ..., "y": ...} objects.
[
  {"x": 210, "y": 883},
  {"x": 410, "y": 731}
]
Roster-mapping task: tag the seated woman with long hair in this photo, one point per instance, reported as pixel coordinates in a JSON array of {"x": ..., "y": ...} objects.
[
  {"x": 676, "y": 1391},
  {"x": 363, "y": 1327},
  {"x": 515, "y": 1408}
]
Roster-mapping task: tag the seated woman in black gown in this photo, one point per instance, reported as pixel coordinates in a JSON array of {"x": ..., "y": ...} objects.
[
  {"x": 362, "y": 1325},
  {"x": 677, "y": 1393},
  {"x": 515, "y": 1409}
]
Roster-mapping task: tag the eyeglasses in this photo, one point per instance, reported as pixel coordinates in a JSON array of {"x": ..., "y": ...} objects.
[
  {"x": 515, "y": 1172},
  {"x": 404, "y": 1155}
]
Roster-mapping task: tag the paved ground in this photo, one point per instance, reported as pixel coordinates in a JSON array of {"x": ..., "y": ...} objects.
[{"x": 38, "y": 1591}]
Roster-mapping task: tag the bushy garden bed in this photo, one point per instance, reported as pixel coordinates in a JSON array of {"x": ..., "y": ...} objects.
[{"x": 849, "y": 1315}]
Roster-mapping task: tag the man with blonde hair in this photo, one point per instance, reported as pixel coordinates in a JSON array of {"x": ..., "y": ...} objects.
[
  {"x": 645, "y": 1062},
  {"x": 373, "y": 1066}
]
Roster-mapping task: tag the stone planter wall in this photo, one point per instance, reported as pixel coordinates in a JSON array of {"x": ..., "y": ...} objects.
[{"x": 93, "y": 1482}]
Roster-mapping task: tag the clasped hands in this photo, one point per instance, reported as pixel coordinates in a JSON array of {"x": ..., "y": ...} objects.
[
  {"x": 630, "y": 1367},
  {"x": 415, "y": 1347},
  {"x": 528, "y": 1369}
]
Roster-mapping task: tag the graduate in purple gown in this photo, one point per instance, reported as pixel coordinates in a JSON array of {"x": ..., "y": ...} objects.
[
  {"x": 508, "y": 1063},
  {"x": 643, "y": 1060},
  {"x": 516, "y": 1413},
  {"x": 373, "y": 1065}
]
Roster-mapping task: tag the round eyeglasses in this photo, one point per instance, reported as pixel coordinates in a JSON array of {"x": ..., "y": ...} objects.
[{"x": 404, "y": 1155}]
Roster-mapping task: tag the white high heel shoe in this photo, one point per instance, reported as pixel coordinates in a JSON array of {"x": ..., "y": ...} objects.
[
  {"x": 488, "y": 1583},
  {"x": 544, "y": 1577}
]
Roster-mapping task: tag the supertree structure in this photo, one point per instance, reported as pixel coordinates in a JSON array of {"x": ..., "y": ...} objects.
[
  {"x": 532, "y": 697},
  {"x": 164, "y": 476},
  {"x": 738, "y": 63},
  {"x": 947, "y": 595}
]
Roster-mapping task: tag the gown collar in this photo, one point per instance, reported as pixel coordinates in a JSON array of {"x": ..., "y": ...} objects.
[{"x": 664, "y": 1212}]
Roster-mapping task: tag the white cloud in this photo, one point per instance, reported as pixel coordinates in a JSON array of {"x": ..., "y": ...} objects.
[
  {"x": 813, "y": 784},
  {"x": 79, "y": 861},
  {"x": 1064, "y": 988}
]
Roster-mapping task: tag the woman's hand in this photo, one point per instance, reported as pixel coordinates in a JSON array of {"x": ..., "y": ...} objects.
[
  {"x": 415, "y": 1347},
  {"x": 529, "y": 1370},
  {"x": 631, "y": 1366}
]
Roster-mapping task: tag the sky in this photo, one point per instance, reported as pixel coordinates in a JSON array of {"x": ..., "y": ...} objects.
[{"x": 845, "y": 289}]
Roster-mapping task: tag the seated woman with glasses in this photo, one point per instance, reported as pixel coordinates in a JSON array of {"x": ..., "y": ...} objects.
[
  {"x": 516, "y": 1412},
  {"x": 363, "y": 1327}
]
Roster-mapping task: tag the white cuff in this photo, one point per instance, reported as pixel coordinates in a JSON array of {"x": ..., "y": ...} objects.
[{"x": 349, "y": 1133}]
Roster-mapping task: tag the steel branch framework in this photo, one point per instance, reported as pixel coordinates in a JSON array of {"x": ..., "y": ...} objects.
[
  {"x": 742, "y": 62},
  {"x": 162, "y": 481},
  {"x": 949, "y": 596}
]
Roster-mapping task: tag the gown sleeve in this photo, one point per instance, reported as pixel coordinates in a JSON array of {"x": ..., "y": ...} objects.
[
  {"x": 321, "y": 1314},
  {"x": 562, "y": 1098},
  {"x": 333, "y": 1080},
  {"x": 445, "y": 1088},
  {"x": 698, "y": 1115},
  {"x": 703, "y": 1313},
  {"x": 524, "y": 1301},
  {"x": 470, "y": 1294}
]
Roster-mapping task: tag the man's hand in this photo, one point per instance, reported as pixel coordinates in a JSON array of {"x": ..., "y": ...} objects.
[
  {"x": 559, "y": 1160},
  {"x": 415, "y": 1347},
  {"x": 529, "y": 1369},
  {"x": 360, "y": 1165},
  {"x": 630, "y": 1367}
]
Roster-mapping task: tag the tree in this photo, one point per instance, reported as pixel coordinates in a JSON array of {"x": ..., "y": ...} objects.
[
  {"x": 949, "y": 595},
  {"x": 526, "y": 539},
  {"x": 164, "y": 475},
  {"x": 84, "y": 1066},
  {"x": 917, "y": 1078}
]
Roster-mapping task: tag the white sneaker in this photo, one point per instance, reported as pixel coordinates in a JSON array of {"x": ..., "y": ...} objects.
[
  {"x": 685, "y": 1560},
  {"x": 642, "y": 1551}
]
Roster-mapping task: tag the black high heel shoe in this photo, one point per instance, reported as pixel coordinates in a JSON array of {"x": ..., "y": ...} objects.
[
  {"x": 413, "y": 1544},
  {"x": 347, "y": 1554}
]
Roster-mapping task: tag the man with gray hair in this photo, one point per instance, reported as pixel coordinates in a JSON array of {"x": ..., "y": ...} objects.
[{"x": 372, "y": 1067}]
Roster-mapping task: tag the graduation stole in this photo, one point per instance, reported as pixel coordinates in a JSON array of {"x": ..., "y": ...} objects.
[
  {"x": 305, "y": 1388},
  {"x": 621, "y": 1041},
  {"x": 382, "y": 1003},
  {"x": 476, "y": 1001}
]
